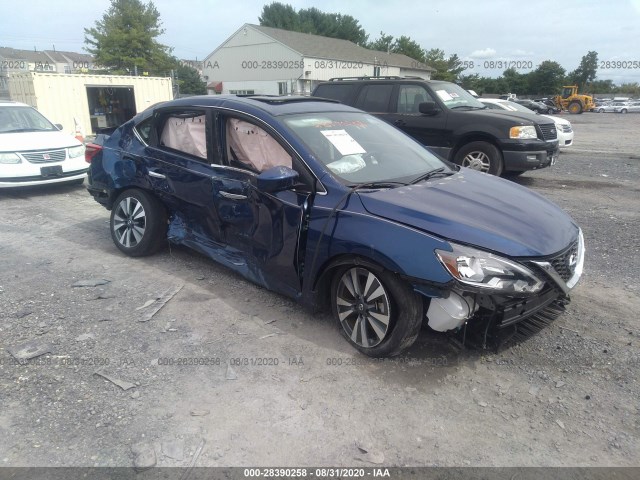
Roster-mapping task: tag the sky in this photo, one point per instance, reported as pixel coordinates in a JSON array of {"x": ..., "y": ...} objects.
[{"x": 489, "y": 33}]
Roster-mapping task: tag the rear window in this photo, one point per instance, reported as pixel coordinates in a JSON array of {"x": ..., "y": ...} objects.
[{"x": 336, "y": 91}]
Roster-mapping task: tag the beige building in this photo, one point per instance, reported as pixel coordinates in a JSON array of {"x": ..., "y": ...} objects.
[{"x": 95, "y": 102}]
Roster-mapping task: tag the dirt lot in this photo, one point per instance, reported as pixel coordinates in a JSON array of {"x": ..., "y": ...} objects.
[{"x": 262, "y": 382}]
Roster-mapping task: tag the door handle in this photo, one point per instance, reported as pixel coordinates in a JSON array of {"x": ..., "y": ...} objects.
[
  {"x": 156, "y": 174},
  {"x": 233, "y": 196}
]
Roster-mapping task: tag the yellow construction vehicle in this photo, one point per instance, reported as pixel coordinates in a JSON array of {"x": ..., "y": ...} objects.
[{"x": 573, "y": 102}]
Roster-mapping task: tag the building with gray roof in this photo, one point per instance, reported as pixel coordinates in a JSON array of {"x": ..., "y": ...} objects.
[{"x": 272, "y": 61}]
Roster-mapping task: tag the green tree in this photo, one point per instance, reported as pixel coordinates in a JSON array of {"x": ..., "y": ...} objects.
[
  {"x": 125, "y": 39},
  {"x": 632, "y": 89},
  {"x": 312, "y": 20},
  {"x": 188, "y": 80},
  {"x": 515, "y": 82},
  {"x": 404, "y": 45},
  {"x": 384, "y": 43},
  {"x": 279, "y": 15},
  {"x": 547, "y": 79},
  {"x": 602, "y": 86},
  {"x": 447, "y": 68},
  {"x": 586, "y": 71}
]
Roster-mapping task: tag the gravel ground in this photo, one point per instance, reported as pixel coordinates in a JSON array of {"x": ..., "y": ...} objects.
[{"x": 253, "y": 379}]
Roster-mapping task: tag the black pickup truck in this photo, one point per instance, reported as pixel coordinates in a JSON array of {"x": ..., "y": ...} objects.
[{"x": 451, "y": 122}]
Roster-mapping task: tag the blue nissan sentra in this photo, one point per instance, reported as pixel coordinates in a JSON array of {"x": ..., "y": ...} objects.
[{"x": 338, "y": 209}]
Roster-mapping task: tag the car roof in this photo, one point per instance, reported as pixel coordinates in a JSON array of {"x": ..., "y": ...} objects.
[
  {"x": 11, "y": 103},
  {"x": 272, "y": 105},
  {"x": 391, "y": 79}
]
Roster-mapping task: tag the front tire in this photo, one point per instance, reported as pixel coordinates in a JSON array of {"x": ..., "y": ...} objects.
[
  {"x": 624, "y": 110},
  {"x": 481, "y": 156},
  {"x": 138, "y": 223},
  {"x": 378, "y": 313},
  {"x": 575, "y": 108}
]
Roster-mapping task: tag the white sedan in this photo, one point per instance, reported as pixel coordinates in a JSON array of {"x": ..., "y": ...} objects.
[
  {"x": 563, "y": 127},
  {"x": 33, "y": 151}
]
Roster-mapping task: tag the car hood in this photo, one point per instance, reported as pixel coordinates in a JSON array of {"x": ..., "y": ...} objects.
[
  {"x": 480, "y": 210},
  {"x": 555, "y": 119},
  {"x": 28, "y": 141},
  {"x": 520, "y": 118}
]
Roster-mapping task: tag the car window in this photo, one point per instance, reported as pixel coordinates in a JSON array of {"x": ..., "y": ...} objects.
[
  {"x": 23, "y": 119},
  {"x": 144, "y": 129},
  {"x": 492, "y": 106},
  {"x": 375, "y": 98},
  {"x": 249, "y": 146},
  {"x": 360, "y": 148},
  {"x": 185, "y": 132},
  {"x": 336, "y": 91},
  {"x": 410, "y": 97},
  {"x": 455, "y": 97}
]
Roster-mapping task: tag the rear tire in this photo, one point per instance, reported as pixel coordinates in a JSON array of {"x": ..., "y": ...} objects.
[
  {"x": 481, "y": 156},
  {"x": 138, "y": 223},
  {"x": 624, "y": 110},
  {"x": 377, "y": 312}
]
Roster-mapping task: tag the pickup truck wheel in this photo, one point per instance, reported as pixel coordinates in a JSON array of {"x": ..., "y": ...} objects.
[
  {"x": 481, "y": 156},
  {"x": 377, "y": 312},
  {"x": 138, "y": 223}
]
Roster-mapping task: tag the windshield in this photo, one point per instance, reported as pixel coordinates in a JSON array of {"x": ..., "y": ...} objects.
[
  {"x": 513, "y": 106},
  {"x": 455, "y": 97},
  {"x": 23, "y": 119},
  {"x": 359, "y": 148}
]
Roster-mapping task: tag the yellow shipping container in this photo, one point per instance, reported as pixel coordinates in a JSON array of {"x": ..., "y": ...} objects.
[{"x": 95, "y": 102}]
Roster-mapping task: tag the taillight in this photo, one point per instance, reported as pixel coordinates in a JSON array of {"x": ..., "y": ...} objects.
[{"x": 91, "y": 150}]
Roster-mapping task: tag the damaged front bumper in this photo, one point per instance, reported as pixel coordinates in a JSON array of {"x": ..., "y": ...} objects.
[{"x": 483, "y": 317}]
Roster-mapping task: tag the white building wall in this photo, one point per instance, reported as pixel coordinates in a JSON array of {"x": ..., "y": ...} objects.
[
  {"x": 250, "y": 60},
  {"x": 251, "y": 56}
]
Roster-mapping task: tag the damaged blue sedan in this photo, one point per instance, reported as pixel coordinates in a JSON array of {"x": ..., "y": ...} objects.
[{"x": 337, "y": 209}]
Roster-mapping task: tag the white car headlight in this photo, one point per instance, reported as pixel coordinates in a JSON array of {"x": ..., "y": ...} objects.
[
  {"x": 488, "y": 271},
  {"x": 75, "y": 152},
  {"x": 9, "y": 158},
  {"x": 527, "y": 131}
]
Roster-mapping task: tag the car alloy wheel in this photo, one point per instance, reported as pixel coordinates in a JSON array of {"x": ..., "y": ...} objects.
[
  {"x": 130, "y": 222},
  {"x": 138, "y": 223},
  {"x": 480, "y": 156},
  {"x": 477, "y": 161},
  {"x": 363, "y": 307}
]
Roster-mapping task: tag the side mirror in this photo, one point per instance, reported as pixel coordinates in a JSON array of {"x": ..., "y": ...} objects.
[
  {"x": 428, "y": 108},
  {"x": 277, "y": 179},
  {"x": 59, "y": 126}
]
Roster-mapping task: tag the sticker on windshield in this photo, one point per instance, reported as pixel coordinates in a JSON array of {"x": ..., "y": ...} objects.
[
  {"x": 344, "y": 142},
  {"x": 444, "y": 95},
  {"x": 454, "y": 95}
]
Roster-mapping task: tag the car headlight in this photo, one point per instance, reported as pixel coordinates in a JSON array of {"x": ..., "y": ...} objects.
[
  {"x": 75, "y": 152},
  {"x": 9, "y": 158},
  {"x": 527, "y": 131},
  {"x": 488, "y": 271}
]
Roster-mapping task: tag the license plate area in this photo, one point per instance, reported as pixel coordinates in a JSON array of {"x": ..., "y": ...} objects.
[{"x": 52, "y": 171}]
